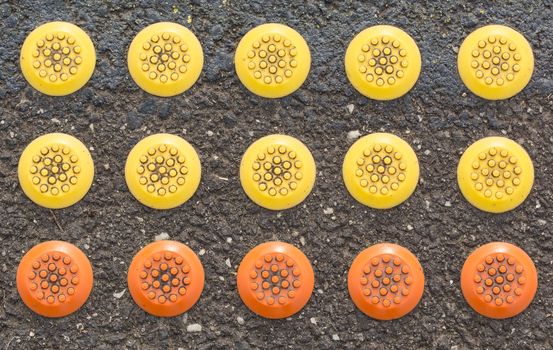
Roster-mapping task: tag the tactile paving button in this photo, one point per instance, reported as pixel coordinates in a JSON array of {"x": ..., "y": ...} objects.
[
  {"x": 54, "y": 278},
  {"x": 495, "y": 62},
  {"x": 163, "y": 171},
  {"x": 272, "y": 60},
  {"x": 165, "y": 59},
  {"x": 277, "y": 172},
  {"x": 275, "y": 280},
  {"x": 381, "y": 170},
  {"x": 495, "y": 174},
  {"x": 55, "y": 170},
  {"x": 499, "y": 280},
  {"x": 166, "y": 278},
  {"x": 383, "y": 62},
  {"x": 386, "y": 281},
  {"x": 57, "y": 58}
]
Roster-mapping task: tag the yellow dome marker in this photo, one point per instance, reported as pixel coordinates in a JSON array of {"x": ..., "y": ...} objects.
[
  {"x": 495, "y": 174},
  {"x": 272, "y": 60},
  {"x": 495, "y": 62},
  {"x": 165, "y": 59},
  {"x": 163, "y": 171},
  {"x": 381, "y": 170},
  {"x": 57, "y": 58},
  {"x": 55, "y": 170},
  {"x": 383, "y": 62},
  {"x": 277, "y": 172}
]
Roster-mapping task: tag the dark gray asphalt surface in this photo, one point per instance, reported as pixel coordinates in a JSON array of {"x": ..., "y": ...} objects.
[{"x": 439, "y": 117}]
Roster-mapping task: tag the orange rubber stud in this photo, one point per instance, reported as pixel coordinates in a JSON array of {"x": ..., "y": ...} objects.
[
  {"x": 54, "y": 278},
  {"x": 499, "y": 280},
  {"x": 57, "y": 58},
  {"x": 386, "y": 281},
  {"x": 55, "y": 170},
  {"x": 272, "y": 60},
  {"x": 166, "y": 278},
  {"x": 383, "y": 62},
  {"x": 165, "y": 59},
  {"x": 277, "y": 172},
  {"x": 381, "y": 170},
  {"x": 163, "y": 171},
  {"x": 495, "y": 174},
  {"x": 495, "y": 62},
  {"x": 275, "y": 280}
]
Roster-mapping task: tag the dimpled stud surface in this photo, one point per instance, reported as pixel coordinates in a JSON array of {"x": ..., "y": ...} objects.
[
  {"x": 383, "y": 62},
  {"x": 275, "y": 280},
  {"x": 386, "y": 281},
  {"x": 163, "y": 171},
  {"x": 495, "y": 62},
  {"x": 54, "y": 278},
  {"x": 499, "y": 280},
  {"x": 277, "y": 172},
  {"x": 57, "y": 58},
  {"x": 495, "y": 174},
  {"x": 272, "y": 60},
  {"x": 55, "y": 170},
  {"x": 380, "y": 170},
  {"x": 165, "y": 59},
  {"x": 166, "y": 278}
]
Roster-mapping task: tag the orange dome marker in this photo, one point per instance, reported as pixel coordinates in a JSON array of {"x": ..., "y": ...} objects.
[
  {"x": 166, "y": 278},
  {"x": 275, "y": 280},
  {"x": 386, "y": 281},
  {"x": 54, "y": 278},
  {"x": 499, "y": 280}
]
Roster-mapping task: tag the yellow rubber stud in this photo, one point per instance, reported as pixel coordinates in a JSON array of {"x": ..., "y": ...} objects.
[
  {"x": 277, "y": 172},
  {"x": 165, "y": 59},
  {"x": 275, "y": 280},
  {"x": 163, "y": 171},
  {"x": 55, "y": 170},
  {"x": 381, "y": 170},
  {"x": 272, "y": 60},
  {"x": 54, "y": 278},
  {"x": 57, "y": 58},
  {"x": 383, "y": 62},
  {"x": 495, "y": 62},
  {"x": 495, "y": 174},
  {"x": 386, "y": 281},
  {"x": 499, "y": 280},
  {"x": 166, "y": 278}
]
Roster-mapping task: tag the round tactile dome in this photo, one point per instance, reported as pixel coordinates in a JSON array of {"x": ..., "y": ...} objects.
[
  {"x": 275, "y": 280},
  {"x": 499, "y": 280},
  {"x": 54, "y": 278},
  {"x": 495, "y": 174},
  {"x": 165, "y": 59},
  {"x": 55, "y": 170},
  {"x": 495, "y": 62},
  {"x": 380, "y": 170},
  {"x": 386, "y": 281},
  {"x": 277, "y": 172},
  {"x": 163, "y": 171},
  {"x": 272, "y": 60},
  {"x": 57, "y": 58},
  {"x": 166, "y": 278},
  {"x": 383, "y": 62}
]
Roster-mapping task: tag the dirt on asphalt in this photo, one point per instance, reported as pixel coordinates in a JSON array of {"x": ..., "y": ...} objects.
[{"x": 439, "y": 118}]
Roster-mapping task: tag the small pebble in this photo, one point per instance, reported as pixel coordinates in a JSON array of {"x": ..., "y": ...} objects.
[
  {"x": 162, "y": 236},
  {"x": 354, "y": 134},
  {"x": 240, "y": 320},
  {"x": 195, "y": 327}
]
